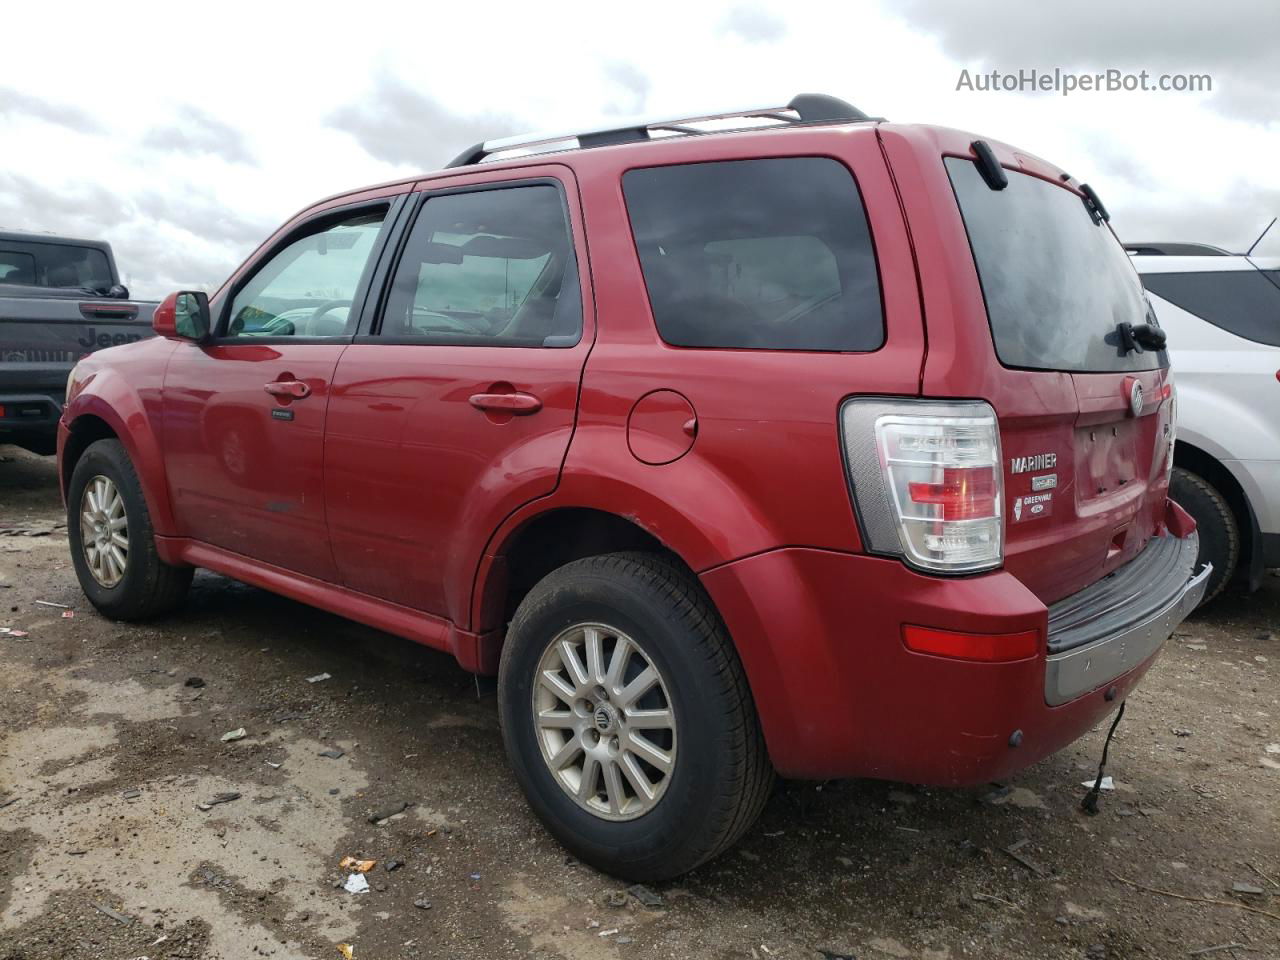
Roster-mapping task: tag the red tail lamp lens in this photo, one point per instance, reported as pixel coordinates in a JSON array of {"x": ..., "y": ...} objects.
[
  {"x": 982, "y": 647},
  {"x": 964, "y": 493}
]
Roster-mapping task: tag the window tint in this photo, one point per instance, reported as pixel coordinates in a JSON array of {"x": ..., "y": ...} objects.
[
  {"x": 307, "y": 289},
  {"x": 54, "y": 265},
  {"x": 17, "y": 267},
  {"x": 768, "y": 254},
  {"x": 1057, "y": 284},
  {"x": 490, "y": 268},
  {"x": 1243, "y": 302}
]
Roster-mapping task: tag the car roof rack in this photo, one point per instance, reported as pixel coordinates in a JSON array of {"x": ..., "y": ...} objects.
[
  {"x": 1166, "y": 249},
  {"x": 803, "y": 108}
]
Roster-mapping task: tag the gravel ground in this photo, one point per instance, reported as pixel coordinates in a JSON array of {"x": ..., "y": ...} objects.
[{"x": 109, "y": 848}]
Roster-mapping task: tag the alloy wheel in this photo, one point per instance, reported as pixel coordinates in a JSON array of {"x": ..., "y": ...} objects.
[
  {"x": 104, "y": 531},
  {"x": 604, "y": 721}
]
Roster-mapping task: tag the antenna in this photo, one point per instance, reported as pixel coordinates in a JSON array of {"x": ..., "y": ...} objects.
[{"x": 1249, "y": 252}]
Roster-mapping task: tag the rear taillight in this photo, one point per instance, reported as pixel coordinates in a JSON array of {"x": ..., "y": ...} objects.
[
  {"x": 1171, "y": 430},
  {"x": 927, "y": 481}
]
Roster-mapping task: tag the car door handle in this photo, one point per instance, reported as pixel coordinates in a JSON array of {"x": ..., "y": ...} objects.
[
  {"x": 517, "y": 403},
  {"x": 294, "y": 389}
]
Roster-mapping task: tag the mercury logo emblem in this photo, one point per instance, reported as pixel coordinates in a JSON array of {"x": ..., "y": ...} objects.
[
  {"x": 1017, "y": 509},
  {"x": 603, "y": 719},
  {"x": 1135, "y": 398}
]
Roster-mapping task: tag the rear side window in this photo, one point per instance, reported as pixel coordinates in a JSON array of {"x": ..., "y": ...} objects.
[
  {"x": 1243, "y": 302},
  {"x": 1057, "y": 283},
  {"x": 769, "y": 254}
]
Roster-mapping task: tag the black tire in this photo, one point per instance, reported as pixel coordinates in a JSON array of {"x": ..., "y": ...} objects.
[
  {"x": 149, "y": 588},
  {"x": 1215, "y": 523},
  {"x": 721, "y": 776}
]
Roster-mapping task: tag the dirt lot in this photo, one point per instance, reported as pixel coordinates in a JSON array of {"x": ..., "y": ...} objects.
[{"x": 109, "y": 751}]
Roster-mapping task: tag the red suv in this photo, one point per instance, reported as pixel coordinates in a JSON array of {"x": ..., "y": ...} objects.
[{"x": 821, "y": 445}]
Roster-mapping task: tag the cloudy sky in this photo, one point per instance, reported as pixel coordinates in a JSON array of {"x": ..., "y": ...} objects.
[{"x": 184, "y": 139}]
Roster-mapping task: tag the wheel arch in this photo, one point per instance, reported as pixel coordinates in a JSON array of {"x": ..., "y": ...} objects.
[
  {"x": 110, "y": 409},
  {"x": 542, "y": 541},
  {"x": 1198, "y": 461}
]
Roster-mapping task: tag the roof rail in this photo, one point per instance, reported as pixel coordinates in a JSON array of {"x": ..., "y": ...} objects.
[
  {"x": 803, "y": 108},
  {"x": 1162, "y": 248}
]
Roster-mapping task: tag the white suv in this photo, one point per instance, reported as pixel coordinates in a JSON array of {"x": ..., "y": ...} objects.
[{"x": 1221, "y": 312}]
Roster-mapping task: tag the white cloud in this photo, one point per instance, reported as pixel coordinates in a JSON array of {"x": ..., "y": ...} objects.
[{"x": 219, "y": 127}]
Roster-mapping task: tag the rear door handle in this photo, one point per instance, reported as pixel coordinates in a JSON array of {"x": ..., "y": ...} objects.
[
  {"x": 294, "y": 389},
  {"x": 518, "y": 403}
]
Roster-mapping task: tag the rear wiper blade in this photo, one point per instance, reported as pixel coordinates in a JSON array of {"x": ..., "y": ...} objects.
[{"x": 1143, "y": 335}]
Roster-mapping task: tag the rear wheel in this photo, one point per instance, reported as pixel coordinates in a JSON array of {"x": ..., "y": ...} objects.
[
  {"x": 628, "y": 719},
  {"x": 112, "y": 541},
  {"x": 1215, "y": 523}
]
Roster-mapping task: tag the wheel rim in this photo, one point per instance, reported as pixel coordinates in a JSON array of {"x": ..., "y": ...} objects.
[
  {"x": 604, "y": 721},
  {"x": 104, "y": 531}
]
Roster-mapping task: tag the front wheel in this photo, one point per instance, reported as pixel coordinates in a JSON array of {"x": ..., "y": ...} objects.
[
  {"x": 112, "y": 541},
  {"x": 627, "y": 717}
]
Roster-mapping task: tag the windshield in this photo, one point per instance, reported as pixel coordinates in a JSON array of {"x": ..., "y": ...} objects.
[
  {"x": 36, "y": 264},
  {"x": 1056, "y": 282}
]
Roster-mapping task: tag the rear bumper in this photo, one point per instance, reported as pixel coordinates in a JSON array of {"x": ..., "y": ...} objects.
[
  {"x": 1102, "y": 631},
  {"x": 29, "y": 419},
  {"x": 840, "y": 695}
]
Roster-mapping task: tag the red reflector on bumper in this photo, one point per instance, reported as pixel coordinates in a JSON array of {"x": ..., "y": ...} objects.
[{"x": 983, "y": 647}]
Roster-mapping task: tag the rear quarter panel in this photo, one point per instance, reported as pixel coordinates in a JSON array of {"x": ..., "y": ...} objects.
[{"x": 766, "y": 468}]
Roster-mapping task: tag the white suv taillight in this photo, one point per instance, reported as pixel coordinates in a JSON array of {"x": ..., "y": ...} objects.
[{"x": 927, "y": 481}]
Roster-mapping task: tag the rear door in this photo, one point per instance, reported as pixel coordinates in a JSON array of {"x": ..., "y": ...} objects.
[
  {"x": 458, "y": 405},
  {"x": 1084, "y": 419}
]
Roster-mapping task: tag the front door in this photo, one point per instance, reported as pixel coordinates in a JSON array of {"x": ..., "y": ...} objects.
[
  {"x": 459, "y": 406},
  {"x": 245, "y": 412}
]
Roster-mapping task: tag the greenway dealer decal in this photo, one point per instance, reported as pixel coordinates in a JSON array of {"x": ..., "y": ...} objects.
[{"x": 1033, "y": 506}]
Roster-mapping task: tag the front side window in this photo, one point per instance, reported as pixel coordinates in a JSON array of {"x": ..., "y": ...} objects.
[
  {"x": 1243, "y": 302},
  {"x": 489, "y": 268},
  {"x": 769, "y": 254},
  {"x": 308, "y": 288}
]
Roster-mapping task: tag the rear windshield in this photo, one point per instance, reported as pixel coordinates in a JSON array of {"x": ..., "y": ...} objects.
[
  {"x": 768, "y": 254},
  {"x": 36, "y": 264},
  {"x": 1056, "y": 282},
  {"x": 1243, "y": 302}
]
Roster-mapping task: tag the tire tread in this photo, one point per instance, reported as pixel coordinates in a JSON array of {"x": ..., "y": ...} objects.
[{"x": 1226, "y": 522}]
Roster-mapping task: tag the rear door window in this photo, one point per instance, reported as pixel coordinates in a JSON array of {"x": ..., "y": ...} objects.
[
  {"x": 495, "y": 267},
  {"x": 768, "y": 254},
  {"x": 1243, "y": 302},
  {"x": 1057, "y": 283}
]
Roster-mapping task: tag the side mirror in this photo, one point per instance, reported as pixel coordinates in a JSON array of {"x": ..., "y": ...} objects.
[
  {"x": 183, "y": 316},
  {"x": 118, "y": 291}
]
